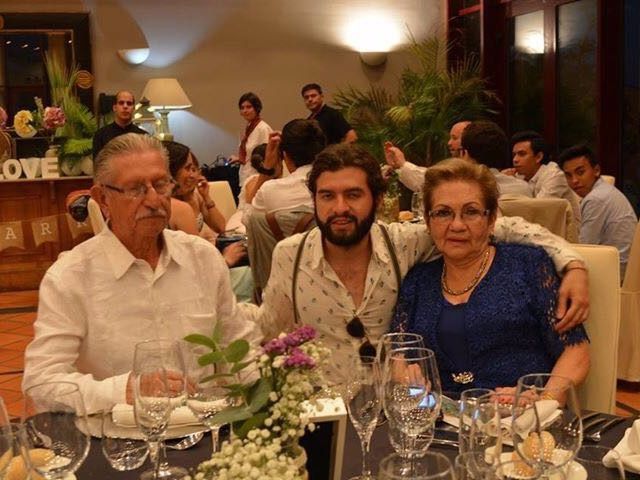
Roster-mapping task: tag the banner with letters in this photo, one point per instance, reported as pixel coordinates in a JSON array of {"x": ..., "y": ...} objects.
[{"x": 42, "y": 229}]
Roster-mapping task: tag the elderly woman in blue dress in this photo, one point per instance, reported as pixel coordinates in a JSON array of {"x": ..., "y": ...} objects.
[{"x": 485, "y": 308}]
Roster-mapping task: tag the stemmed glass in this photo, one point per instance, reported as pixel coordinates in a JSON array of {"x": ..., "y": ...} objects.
[
  {"x": 54, "y": 418},
  {"x": 412, "y": 395},
  {"x": 393, "y": 341},
  {"x": 431, "y": 466},
  {"x": 468, "y": 403},
  {"x": 546, "y": 427},
  {"x": 206, "y": 393},
  {"x": 362, "y": 396},
  {"x": 159, "y": 387}
]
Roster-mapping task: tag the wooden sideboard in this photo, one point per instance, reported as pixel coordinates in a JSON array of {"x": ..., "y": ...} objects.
[{"x": 24, "y": 200}]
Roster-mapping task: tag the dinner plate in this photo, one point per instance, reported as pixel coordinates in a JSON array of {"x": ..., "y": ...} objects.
[{"x": 575, "y": 471}]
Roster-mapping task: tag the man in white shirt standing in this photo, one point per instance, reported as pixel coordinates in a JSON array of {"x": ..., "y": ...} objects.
[
  {"x": 531, "y": 161},
  {"x": 343, "y": 276},
  {"x": 134, "y": 281},
  {"x": 607, "y": 216}
]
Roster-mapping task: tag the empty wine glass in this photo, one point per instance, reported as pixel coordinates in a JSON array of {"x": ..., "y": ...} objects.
[
  {"x": 206, "y": 392},
  {"x": 546, "y": 427},
  {"x": 55, "y": 419},
  {"x": 412, "y": 395},
  {"x": 592, "y": 458},
  {"x": 468, "y": 401},
  {"x": 431, "y": 466},
  {"x": 395, "y": 340},
  {"x": 121, "y": 452},
  {"x": 362, "y": 396},
  {"x": 159, "y": 387}
]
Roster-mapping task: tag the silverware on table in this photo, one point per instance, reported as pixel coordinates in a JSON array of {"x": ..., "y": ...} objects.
[
  {"x": 597, "y": 435},
  {"x": 186, "y": 442}
]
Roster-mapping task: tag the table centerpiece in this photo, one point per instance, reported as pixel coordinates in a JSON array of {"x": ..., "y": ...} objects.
[{"x": 269, "y": 417}]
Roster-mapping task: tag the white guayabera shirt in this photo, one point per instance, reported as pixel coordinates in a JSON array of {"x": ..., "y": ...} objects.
[
  {"x": 97, "y": 301},
  {"x": 324, "y": 302}
]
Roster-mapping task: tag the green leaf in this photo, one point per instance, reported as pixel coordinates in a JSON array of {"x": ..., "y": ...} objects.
[
  {"x": 201, "y": 340},
  {"x": 236, "y": 350},
  {"x": 260, "y": 394},
  {"x": 242, "y": 428},
  {"x": 208, "y": 378},
  {"x": 240, "y": 366},
  {"x": 230, "y": 415},
  {"x": 217, "y": 332},
  {"x": 209, "y": 358}
]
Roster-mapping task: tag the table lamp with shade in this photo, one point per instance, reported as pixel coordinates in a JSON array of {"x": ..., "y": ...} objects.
[{"x": 165, "y": 95}]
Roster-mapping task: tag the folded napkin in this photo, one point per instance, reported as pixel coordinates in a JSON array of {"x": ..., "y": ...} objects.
[
  {"x": 122, "y": 414},
  {"x": 547, "y": 411},
  {"x": 628, "y": 448}
]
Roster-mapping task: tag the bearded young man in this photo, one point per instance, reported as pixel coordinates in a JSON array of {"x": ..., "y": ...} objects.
[{"x": 343, "y": 276}]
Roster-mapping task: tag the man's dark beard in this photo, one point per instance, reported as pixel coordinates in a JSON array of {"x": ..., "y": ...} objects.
[{"x": 348, "y": 240}]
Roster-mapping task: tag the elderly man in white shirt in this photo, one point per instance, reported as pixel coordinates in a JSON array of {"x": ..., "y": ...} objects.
[
  {"x": 348, "y": 269},
  {"x": 299, "y": 143},
  {"x": 134, "y": 281}
]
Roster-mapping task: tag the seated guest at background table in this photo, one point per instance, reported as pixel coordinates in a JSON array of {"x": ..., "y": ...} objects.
[
  {"x": 483, "y": 142},
  {"x": 607, "y": 216},
  {"x": 486, "y": 308},
  {"x": 299, "y": 143},
  {"x": 256, "y": 132},
  {"x": 123, "y": 107},
  {"x": 531, "y": 161},
  {"x": 346, "y": 273},
  {"x": 134, "y": 281}
]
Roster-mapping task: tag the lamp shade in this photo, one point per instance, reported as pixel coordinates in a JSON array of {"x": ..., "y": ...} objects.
[{"x": 166, "y": 94}]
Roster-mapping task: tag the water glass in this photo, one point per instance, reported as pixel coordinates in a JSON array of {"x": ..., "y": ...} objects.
[
  {"x": 55, "y": 419},
  {"x": 546, "y": 426},
  {"x": 591, "y": 458},
  {"x": 417, "y": 206},
  {"x": 431, "y": 466},
  {"x": 122, "y": 453},
  {"x": 14, "y": 461},
  {"x": 468, "y": 402},
  {"x": 471, "y": 466}
]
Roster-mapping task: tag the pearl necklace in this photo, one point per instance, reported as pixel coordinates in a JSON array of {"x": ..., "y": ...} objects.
[{"x": 474, "y": 281}]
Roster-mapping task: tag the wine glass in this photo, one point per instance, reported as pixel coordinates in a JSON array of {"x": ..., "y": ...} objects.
[
  {"x": 417, "y": 206},
  {"x": 431, "y": 466},
  {"x": 362, "y": 396},
  {"x": 206, "y": 392},
  {"x": 471, "y": 466},
  {"x": 592, "y": 458},
  {"x": 55, "y": 419},
  {"x": 13, "y": 450},
  {"x": 468, "y": 402},
  {"x": 412, "y": 395},
  {"x": 546, "y": 426},
  {"x": 393, "y": 341},
  {"x": 159, "y": 387}
]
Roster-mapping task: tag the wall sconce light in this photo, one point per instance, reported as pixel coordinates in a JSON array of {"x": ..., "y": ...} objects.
[
  {"x": 165, "y": 95},
  {"x": 373, "y": 59},
  {"x": 134, "y": 56}
]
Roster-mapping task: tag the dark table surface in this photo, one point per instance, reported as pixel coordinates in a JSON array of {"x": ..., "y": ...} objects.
[{"x": 96, "y": 467}]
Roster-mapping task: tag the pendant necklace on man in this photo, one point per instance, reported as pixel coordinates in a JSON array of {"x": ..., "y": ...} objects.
[{"x": 474, "y": 281}]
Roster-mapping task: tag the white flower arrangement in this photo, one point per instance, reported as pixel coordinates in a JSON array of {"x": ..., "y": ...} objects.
[{"x": 273, "y": 418}]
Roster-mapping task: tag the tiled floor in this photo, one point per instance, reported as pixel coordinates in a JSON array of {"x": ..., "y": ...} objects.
[{"x": 17, "y": 314}]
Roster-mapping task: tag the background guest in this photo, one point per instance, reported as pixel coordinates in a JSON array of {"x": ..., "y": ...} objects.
[
  {"x": 123, "y": 107},
  {"x": 332, "y": 122}
]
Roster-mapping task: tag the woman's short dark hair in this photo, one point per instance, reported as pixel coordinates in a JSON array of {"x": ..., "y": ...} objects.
[
  {"x": 178, "y": 156},
  {"x": 456, "y": 170},
  {"x": 257, "y": 155},
  {"x": 253, "y": 99},
  {"x": 341, "y": 155}
]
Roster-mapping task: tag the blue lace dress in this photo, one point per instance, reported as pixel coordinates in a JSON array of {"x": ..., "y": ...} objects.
[{"x": 506, "y": 327}]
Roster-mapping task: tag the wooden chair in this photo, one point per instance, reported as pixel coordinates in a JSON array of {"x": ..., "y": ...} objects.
[
  {"x": 603, "y": 325},
  {"x": 629, "y": 345},
  {"x": 555, "y": 214},
  {"x": 220, "y": 192}
]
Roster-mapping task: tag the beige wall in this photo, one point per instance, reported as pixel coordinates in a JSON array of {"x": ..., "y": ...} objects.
[{"x": 219, "y": 49}]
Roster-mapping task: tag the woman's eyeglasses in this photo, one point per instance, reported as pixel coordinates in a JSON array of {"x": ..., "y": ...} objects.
[
  {"x": 355, "y": 328},
  {"x": 467, "y": 215}
]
